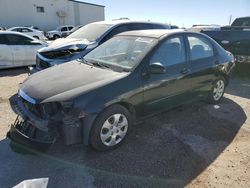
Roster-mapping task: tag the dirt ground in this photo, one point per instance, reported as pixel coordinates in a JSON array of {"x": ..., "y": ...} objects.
[{"x": 193, "y": 146}]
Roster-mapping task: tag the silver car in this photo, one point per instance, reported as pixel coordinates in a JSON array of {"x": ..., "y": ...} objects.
[{"x": 17, "y": 49}]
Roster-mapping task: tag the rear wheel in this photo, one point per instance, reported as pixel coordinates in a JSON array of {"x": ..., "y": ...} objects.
[
  {"x": 217, "y": 91},
  {"x": 110, "y": 128}
]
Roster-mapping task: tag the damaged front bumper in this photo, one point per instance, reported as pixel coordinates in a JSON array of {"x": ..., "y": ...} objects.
[
  {"x": 32, "y": 129},
  {"x": 24, "y": 133},
  {"x": 28, "y": 129}
]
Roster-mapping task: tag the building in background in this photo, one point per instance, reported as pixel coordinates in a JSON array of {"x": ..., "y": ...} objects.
[{"x": 48, "y": 14}]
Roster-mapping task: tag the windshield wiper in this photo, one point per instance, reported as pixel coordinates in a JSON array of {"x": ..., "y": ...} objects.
[
  {"x": 95, "y": 63},
  {"x": 103, "y": 65}
]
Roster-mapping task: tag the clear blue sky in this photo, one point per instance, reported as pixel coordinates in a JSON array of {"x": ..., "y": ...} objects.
[{"x": 179, "y": 12}]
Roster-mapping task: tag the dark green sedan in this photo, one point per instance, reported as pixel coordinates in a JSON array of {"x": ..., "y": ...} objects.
[{"x": 97, "y": 99}]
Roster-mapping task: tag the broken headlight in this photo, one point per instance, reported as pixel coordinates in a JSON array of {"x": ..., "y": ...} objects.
[
  {"x": 67, "y": 106},
  {"x": 50, "y": 109}
]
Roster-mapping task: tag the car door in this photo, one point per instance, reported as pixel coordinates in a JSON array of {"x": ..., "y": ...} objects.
[
  {"x": 203, "y": 60},
  {"x": 31, "y": 49},
  {"x": 64, "y": 31},
  {"x": 163, "y": 91},
  {"x": 19, "y": 46},
  {"x": 6, "y": 56}
]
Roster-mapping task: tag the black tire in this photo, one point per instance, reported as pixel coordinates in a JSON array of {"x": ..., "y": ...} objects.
[
  {"x": 95, "y": 134},
  {"x": 212, "y": 99},
  {"x": 36, "y": 37},
  {"x": 56, "y": 37}
]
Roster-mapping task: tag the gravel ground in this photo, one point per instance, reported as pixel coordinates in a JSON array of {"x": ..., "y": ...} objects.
[{"x": 194, "y": 146}]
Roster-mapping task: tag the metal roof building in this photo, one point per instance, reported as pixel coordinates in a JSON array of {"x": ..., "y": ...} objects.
[{"x": 48, "y": 14}]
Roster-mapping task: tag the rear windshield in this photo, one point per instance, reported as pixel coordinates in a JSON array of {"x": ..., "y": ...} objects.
[
  {"x": 241, "y": 22},
  {"x": 91, "y": 32}
]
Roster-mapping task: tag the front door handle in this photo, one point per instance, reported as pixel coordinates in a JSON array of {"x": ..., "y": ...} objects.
[{"x": 185, "y": 71}]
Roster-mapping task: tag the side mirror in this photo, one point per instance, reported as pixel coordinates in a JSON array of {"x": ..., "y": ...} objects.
[{"x": 157, "y": 68}]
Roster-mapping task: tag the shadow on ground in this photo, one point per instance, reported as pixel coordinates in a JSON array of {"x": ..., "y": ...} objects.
[
  {"x": 170, "y": 149},
  {"x": 13, "y": 72},
  {"x": 239, "y": 85}
]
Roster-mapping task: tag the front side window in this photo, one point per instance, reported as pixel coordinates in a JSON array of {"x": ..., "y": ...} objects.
[
  {"x": 200, "y": 48},
  {"x": 17, "y": 40},
  {"x": 64, "y": 29},
  {"x": 117, "y": 30},
  {"x": 170, "y": 52},
  {"x": 121, "y": 51}
]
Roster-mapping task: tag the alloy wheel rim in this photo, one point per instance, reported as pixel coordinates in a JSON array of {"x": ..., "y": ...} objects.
[
  {"x": 114, "y": 129},
  {"x": 218, "y": 90}
]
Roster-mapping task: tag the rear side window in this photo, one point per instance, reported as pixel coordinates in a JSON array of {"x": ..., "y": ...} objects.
[
  {"x": 17, "y": 40},
  {"x": 25, "y": 30},
  {"x": 170, "y": 52},
  {"x": 200, "y": 48}
]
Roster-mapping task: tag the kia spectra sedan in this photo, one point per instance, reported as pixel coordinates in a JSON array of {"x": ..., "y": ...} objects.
[{"x": 133, "y": 75}]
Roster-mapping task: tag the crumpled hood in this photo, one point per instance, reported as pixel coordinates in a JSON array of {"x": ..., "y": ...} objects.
[
  {"x": 65, "y": 82},
  {"x": 65, "y": 43}
]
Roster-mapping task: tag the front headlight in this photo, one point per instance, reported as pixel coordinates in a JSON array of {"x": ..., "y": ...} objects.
[{"x": 50, "y": 109}]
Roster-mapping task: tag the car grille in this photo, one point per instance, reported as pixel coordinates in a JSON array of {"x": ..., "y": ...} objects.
[{"x": 41, "y": 63}]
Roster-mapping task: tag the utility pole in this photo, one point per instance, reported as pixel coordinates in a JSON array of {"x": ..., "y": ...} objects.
[{"x": 230, "y": 19}]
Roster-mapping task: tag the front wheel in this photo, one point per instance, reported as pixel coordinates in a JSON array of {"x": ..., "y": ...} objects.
[
  {"x": 217, "y": 91},
  {"x": 110, "y": 128},
  {"x": 56, "y": 37}
]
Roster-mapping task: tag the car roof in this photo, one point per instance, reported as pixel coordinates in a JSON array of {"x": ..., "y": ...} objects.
[
  {"x": 66, "y": 26},
  {"x": 152, "y": 33},
  {"x": 116, "y": 22},
  {"x": 19, "y": 27},
  {"x": 16, "y": 33}
]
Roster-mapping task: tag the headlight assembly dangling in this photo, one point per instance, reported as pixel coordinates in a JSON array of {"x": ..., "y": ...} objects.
[{"x": 67, "y": 106}]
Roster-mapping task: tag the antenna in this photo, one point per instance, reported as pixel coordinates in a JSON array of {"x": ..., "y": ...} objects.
[{"x": 230, "y": 19}]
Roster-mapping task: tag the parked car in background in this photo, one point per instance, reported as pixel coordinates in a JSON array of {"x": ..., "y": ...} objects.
[
  {"x": 86, "y": 39},
  {"x": 61, "y": 31},
  {"x": 29, "y": 31},
  {"x": 235, "y": 38},
  {"x": 34, "y": 27},
  {"x": 174, "y": 27},
  {"x": 135, "y": 74},
  {"x": 75, "y": 29},
  {"x": 200, "y": 28},
  {"x": 2, "y": 28},
  {"x": 17, "y": 49}
]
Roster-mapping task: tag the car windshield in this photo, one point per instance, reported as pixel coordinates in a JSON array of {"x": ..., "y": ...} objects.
[
  {"x": 91, "y": 32},
  {"x": 123, "y": 52}
]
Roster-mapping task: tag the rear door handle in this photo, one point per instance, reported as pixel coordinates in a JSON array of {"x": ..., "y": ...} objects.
[{"x": 185, "y": 71}]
